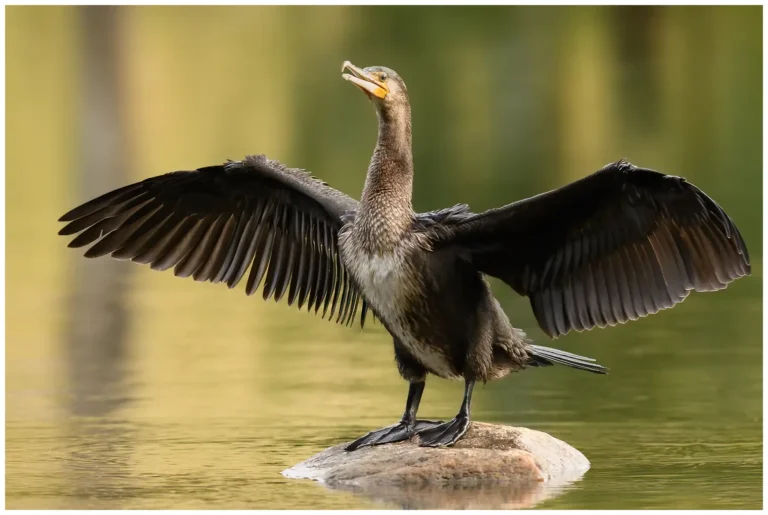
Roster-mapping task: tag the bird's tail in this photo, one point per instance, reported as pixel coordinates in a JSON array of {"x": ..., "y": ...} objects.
[{"x": 545, "y": 356}]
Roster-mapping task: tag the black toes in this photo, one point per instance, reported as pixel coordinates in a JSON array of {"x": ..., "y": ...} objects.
[
  {"x": 396, "y": 433},
  {"x": 444, "y": 434},
  {"x": 391, "y": 434}
]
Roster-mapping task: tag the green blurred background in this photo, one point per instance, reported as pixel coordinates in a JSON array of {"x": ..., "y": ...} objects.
[{"x": 126, "y": 388}]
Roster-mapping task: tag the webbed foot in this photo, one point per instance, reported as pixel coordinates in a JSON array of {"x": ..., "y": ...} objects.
[
  {"x": 396, "y": 433},
  {"x": 445, "y": 434}
]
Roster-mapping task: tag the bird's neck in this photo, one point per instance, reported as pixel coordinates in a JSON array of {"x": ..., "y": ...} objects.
[{"x": 386, "y": 198}]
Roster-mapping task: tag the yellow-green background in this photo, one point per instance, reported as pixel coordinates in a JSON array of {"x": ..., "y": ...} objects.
[{"x": 126, "y": 388}]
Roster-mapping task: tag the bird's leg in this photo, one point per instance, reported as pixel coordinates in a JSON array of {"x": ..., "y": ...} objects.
[
  {"x": 403, "y": 430},
  {"x": 412, "y": 406},
  {"x": 450, "y": 432}
]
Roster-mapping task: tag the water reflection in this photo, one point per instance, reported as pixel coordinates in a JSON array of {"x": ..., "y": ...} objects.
[
  {"x": 98, "y": 465},
  {"x": 99, "y": 443},
  {"x": 98, "y": 461},
  {"x": 173, "y": 394},
  {"x": 95, "y": 340},
  {"x": 482, "y": 496},
  {"x": 97, "y": 318}
]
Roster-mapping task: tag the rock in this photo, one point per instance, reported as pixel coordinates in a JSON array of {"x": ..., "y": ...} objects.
[{"x": 492, "y": 466}]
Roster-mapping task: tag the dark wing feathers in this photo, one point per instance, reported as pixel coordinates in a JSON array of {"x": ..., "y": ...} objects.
[
  {"x": 617, "y": 245},
  {"x": 217, "y": 222}
]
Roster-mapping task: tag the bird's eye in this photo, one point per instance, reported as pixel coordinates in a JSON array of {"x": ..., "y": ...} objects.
[{"x": 382, "y": 76}]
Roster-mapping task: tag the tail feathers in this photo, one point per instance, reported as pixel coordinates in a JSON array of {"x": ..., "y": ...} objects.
[{"x": 544, "y": 356}]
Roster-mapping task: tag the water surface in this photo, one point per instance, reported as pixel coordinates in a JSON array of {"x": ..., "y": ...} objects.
[
  {"x": 200, "y": 405},
  {"x": 128, "y": 388}
]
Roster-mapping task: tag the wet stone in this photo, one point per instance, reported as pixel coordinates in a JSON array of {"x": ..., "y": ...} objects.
[{"x": 492, "y": 466}]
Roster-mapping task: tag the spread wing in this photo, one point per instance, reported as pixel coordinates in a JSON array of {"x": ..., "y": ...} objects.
[
  {"x": 216, "y": 222},
  {"x": 619, "y": 244}
]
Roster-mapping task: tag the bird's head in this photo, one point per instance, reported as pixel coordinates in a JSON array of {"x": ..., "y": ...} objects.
[{"x": 383, "y": 86}]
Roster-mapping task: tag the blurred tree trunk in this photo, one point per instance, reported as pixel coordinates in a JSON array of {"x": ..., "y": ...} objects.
[{"x": 96, "y": 336}]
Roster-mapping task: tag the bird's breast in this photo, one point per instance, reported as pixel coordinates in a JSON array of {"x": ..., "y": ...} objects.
[
  {"x": 393, "y": 285},
  {"x": 389, "y": 279},
  {"x": 383, "y": 278}
]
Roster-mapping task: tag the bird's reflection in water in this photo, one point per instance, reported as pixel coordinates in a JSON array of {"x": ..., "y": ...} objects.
[{"x": 463, "y": 496}]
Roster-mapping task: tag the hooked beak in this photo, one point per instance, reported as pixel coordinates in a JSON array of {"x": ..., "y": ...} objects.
[{"x": 364, "y": 80}]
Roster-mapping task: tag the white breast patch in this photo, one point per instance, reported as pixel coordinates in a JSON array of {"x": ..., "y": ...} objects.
[{"x": 389, "y": 289}]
